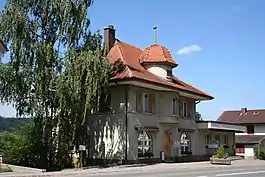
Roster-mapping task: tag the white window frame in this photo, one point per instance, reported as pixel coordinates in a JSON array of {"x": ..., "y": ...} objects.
[
  {"x": 185, "y": 142},
  {"x": 145, "y": 142}
]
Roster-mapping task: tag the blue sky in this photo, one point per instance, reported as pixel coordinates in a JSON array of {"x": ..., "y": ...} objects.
[{"x": 219, "y": 45}]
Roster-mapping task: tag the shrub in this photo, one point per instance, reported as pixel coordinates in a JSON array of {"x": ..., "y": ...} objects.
[
  {"x": 262, "y": 154},
  {"x": 259, "y": 152},
  {"x": 4, "y": 169},
  {"x": 221, "y": 153}
]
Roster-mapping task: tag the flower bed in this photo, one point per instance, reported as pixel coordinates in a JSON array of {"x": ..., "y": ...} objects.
[{"x": 221, "y": 157}]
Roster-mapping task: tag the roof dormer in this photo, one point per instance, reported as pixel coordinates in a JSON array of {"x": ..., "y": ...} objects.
[{"x": 158, "y": 60}]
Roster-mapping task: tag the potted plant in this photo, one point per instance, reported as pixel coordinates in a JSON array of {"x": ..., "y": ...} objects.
[{"x": 221, "y": 157}]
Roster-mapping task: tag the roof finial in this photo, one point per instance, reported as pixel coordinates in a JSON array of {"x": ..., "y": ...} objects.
[{"x": 155, "y": 37}]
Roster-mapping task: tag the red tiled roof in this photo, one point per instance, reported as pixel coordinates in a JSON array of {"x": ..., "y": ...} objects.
[
  {"x": 130, "y": 56},
  {"x": 238, "y": 117},
  {"x": 156, "y": 53}
]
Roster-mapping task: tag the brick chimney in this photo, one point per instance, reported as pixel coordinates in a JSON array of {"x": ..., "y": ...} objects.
[
  {"x": 244, "y": 110},
  {"x": 109, "y": 37}
]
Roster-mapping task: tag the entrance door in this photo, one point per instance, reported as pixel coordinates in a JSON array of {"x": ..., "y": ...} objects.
[{"x": 167, "y": 143}]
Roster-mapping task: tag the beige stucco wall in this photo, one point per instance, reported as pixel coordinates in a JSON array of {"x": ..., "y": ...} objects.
[
  {"x": 162, "y": 118},
  {"x": 107, "y": 138},
  {"x": 158, "y": 69}
]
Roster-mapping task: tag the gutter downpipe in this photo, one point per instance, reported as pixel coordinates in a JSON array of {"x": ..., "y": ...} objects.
[
  {"x": 197, "y": 144},
  {"x": 126, "y": 124}
]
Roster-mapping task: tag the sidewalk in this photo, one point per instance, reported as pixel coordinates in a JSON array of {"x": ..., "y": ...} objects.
[
  {"x": 115, "y": 169},
  {"x": 134, "y": 169}
]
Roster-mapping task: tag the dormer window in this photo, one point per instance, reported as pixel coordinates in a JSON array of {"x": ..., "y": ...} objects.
[{"x": 169, "y": 73}]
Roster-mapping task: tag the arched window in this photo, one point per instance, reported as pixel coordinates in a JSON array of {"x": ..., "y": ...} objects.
[
  {"x": 185, "y": 144},
  {"x": 144, "y": 144}
]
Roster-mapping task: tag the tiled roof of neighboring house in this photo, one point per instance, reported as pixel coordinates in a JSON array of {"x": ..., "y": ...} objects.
[
  {"x": 3, "y": 44},
  {"x": 249, "y": 139},
  {"x": 131, "y": 56},
  {"x": 243, "y": 116},
  {"x": 156, "y": 53}
]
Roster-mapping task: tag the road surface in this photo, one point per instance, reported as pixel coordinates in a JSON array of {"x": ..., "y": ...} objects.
[
  {"x": 240, "y": 168},
  {"x": 244, "y": 168}
]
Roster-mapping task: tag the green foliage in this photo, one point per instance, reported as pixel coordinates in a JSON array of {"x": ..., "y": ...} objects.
[
  {"x": 8, "y": 124},
  {"x": 262, "y": 154},
  {"x": 220, "y": 153},
  {"x": 198, "y": 116},
  {"x": 57, "y": 74},
  {"x": 21, "y": 147},
  {"x": 259, "y": 152},
  {"x": 4, "y": 169}
]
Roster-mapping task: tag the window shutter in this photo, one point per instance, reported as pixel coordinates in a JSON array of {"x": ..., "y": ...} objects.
[
  {"x": 153, "y": 103},
  {"x": 181, "y": 108},
  {"x": 193, "y": 109},
  {"x": 150, "y": 102},
  {"x": 189, "y": 108},
  {"x": 178, "y": 106},
  {"x": 139, "y": 102}
]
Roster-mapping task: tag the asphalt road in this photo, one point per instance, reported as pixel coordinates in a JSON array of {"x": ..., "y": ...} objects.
[
  {"x": 240, "y": 168},
  {"x": 243, "y": 168}
]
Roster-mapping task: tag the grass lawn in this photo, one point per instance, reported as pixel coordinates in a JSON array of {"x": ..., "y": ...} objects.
[{"x": 5, "y": 168}]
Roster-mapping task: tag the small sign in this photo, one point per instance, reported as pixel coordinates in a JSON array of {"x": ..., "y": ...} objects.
[
  {"x": 82, "y": 147},
  {"x": 212, "y": 146}
]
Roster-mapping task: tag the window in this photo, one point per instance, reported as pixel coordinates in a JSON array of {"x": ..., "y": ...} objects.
[
  {"x": 185, "y": 109},
  {"x": 226, "y": 139},
  {"x": 144, "y": 144},
  {"x": 144, "y": 102},
  {"x": 185, "y": 144},
  {"x": 147, "y": 103},
  {"x": 206, "y": 139},
  {"x": 169, "y": 73},
  {"x": 175, "y": 106},
  {"x": 250, "y": 129},
  {"x": 217, "y": 139}
]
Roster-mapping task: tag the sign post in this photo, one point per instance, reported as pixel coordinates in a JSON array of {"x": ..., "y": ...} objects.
[
  {"x": 82, "y": 149},
  {"x": 1, "y": 159}
]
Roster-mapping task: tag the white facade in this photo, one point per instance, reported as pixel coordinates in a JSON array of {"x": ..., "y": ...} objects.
[
  {"x": 259, "y": 129},
  {"x": 249, "y": 151}
]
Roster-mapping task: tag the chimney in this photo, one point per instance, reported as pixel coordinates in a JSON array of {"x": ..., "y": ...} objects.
[
  {"x": 109, "y": 37},
  {"x": 244, "y": 110}
]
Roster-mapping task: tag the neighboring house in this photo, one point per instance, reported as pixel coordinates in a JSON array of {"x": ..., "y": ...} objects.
[
  {"x": 154, "y": 107},
  {"x": 254, "y": 121},
  {"x": 3, "y": 47}
]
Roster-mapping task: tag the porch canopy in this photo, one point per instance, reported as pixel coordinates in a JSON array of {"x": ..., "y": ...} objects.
[{"x": 221, "y": 126}]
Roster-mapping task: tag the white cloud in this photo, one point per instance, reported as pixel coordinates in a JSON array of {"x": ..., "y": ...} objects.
[{"x": 189, "y": 49}]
